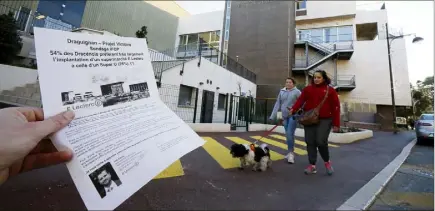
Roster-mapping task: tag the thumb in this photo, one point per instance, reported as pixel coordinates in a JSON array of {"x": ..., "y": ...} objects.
[{"x": 52, "y": 124}]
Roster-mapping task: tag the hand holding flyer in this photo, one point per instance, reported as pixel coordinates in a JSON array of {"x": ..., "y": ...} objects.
[{"x": 123, "y": 134}]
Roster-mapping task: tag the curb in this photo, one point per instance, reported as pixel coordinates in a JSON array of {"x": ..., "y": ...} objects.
[{"x": 365, "y": 196}]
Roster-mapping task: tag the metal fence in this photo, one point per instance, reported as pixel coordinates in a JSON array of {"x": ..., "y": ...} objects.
[{"x": 207, "y": 51}]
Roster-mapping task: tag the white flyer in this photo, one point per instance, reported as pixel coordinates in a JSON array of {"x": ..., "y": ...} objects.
[{"x": 123, "y": 135}]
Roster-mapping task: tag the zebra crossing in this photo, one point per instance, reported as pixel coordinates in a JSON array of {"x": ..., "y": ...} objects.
[{"x": 221, "y": 153}]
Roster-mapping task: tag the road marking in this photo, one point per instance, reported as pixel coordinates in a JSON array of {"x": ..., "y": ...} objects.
[
  {"x": 273, "y": 155},
  {"x": 174, "y": 170},
  {"x": 220, "y": 153},
  {"x": 298, "y": 142},
  {"x": 279, "y": 144}
]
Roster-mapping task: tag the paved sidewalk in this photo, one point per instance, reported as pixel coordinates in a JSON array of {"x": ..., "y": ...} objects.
[{"x": 412, "y": 187}]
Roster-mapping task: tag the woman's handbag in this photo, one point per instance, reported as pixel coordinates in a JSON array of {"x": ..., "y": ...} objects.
[{"x": 311, "y": 117}]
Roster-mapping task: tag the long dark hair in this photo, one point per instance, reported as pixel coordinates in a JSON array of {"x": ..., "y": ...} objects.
[{"x": 325, "y": 77}]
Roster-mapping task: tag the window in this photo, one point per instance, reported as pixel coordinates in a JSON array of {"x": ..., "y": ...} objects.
[
  {"x": 227, "y": 24},
  {"x": 22, "y": 17},
  {"x": 330, "y": 35},
  {"x": 221, "y": 101},
  {"x": 205, "y": 36},
  {"x": 345, "y": 33},
  {"x": 317, "y": 35},
  {"x": 304, "y": 34},
  {"x": 228, "y": 13},
  {"x": 227, "y": 35},
  {"x": 301, "y": 5},
  {"x": 423, "y": 117},
  {"x": 183, "y": 39},
  {"x": 185, "y": 96}
]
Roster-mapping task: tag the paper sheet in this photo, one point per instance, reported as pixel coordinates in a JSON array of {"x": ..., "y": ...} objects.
[{"x": 123, "y": 134}]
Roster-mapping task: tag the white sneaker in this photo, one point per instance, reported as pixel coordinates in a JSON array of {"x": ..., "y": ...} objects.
[{"x": 291, "y": 158}]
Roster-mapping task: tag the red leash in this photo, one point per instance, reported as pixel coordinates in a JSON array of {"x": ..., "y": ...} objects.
[{"x": 269, "y": 131}]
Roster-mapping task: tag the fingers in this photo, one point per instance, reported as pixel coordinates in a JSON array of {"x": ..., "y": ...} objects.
[
  {"x": 32, "y": 114},
  {"x": 44, "y": 146},
  {"x": 53, "y": 124},
  {"x": 42, "y": 160}
]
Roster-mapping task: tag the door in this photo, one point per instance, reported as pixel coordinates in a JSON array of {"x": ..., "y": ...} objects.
[{"x": 207, "y": 107}]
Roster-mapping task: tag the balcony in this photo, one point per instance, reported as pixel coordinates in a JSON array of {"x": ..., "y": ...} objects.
[{"x": 344, "y": 83}]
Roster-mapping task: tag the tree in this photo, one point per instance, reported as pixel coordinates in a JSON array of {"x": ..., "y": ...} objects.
[
  {"x": 10, "y": 40},
  {"x": 142, "y": 33},
  {"x": 423, "y": 95}
]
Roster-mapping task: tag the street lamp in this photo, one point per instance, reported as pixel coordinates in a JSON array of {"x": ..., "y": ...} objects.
[{"x": 392, "y": 37}]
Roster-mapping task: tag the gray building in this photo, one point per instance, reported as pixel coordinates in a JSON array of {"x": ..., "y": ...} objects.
[
  {"x": 261, "y": 36},
  {"x": 126, "y": 17}
]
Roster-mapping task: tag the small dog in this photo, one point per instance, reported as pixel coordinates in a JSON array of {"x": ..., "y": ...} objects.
[
  {"x": 262, "y": 158},
  {"x": 245, "y": 153},
  {"x": 250, "y": 155}
]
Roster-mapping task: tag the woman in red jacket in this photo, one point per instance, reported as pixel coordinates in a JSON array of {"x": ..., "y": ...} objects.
[{"x": 316, "y": 136}]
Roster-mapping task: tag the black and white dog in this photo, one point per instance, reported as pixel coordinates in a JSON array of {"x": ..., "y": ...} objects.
[{"x": 250, "y": 155}]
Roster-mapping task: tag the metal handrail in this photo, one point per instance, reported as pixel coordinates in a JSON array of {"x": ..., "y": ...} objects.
[
  {"x": 313, "y": 60},
  {"x": 207, "y": 51},
  {"x": 321, "y": 44}
]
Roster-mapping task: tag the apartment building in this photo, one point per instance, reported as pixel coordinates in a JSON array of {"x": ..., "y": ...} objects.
[{"x": 350, "y": 44}]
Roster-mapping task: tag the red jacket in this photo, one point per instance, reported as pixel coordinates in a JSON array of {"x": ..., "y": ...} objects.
[{"x": 312, "y": 96}]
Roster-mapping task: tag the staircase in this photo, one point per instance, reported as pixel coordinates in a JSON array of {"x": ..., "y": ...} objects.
[
  {"x": 324, "y": 51},
  {"x": 340, "y": 82}
]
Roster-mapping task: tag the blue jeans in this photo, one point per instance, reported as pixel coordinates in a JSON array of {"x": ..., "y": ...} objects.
[{"x": 290, "y": 127}]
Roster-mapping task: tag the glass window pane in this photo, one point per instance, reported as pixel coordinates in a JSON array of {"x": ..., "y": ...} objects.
[
  {"x": 227, "y": 35},
  {"x": 205, "y": 36},
  {"x": 300, "y": 5},
  {"x": 193, "y": 38},
  {"x": 183, "y": 39},
  {"x": 304, "y": 34},
  {"x": 228, "y": 13},
  {"x": 317, "y": 35},
  {"x": 330, "y": 34},
  {"x": 345, "y": 33},
  {"x": 227, "y": 24}
]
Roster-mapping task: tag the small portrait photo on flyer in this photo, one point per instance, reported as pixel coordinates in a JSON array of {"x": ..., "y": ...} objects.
[{"x": 105, "y": 180}]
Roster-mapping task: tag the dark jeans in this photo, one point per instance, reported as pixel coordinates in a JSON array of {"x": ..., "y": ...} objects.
[{"x": 316, "y": 137}]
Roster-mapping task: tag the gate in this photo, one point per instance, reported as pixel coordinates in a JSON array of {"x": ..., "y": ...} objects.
[{"x": 240, "y": 112}]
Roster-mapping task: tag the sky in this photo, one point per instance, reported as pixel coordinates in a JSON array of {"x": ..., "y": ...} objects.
[{"x": 410, "y": 16}]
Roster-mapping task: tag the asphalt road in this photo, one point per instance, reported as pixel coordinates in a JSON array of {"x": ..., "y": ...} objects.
[
  {"x": 206, "y": 185},
  {"x": 412, "y": 187}
]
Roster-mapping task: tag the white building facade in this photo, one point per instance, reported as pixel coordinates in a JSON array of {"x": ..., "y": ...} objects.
[{"x": 360, "y": 69}]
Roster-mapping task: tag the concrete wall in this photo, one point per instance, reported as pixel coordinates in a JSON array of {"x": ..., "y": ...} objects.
[
  {"x": 204, "y": 22},
  {"x": 326, "y": 9},
  {"x": 11, "y": 77},
  {"x": 259, "y": 36},
  {"x": 192, "y": 76},
  {"x": 372, "y": 73},
  {"x": 126, "y": 17},
  {"x": 170, "y": 7}
]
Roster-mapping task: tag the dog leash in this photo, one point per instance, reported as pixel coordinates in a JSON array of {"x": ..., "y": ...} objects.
[
  {"x": 294, "y": 116},
  {"x": 269, "y": 131}
]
